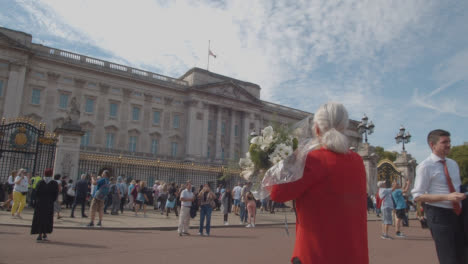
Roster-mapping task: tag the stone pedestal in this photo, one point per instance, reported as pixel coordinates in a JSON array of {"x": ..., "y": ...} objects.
[
  {"x": 67, "y": 154},
  {"x": 406, "y": 164},
  {"x": 370, "y": 158}
]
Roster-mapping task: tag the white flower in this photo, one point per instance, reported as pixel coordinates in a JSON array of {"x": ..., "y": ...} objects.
[
  {"x": 246, "y": 163},
  {"x": 246, "y": 174},
  {"x": 268, "y": 132},
  {"x": 257, "y": 140}
]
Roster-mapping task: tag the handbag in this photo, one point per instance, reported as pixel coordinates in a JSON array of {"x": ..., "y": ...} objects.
[
  {"x": 71, "y": 191},
  {"x": 212, "y": 204}
]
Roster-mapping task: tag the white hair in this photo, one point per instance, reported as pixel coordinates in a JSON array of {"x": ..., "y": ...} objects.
[{"x": 332, "y": 121}]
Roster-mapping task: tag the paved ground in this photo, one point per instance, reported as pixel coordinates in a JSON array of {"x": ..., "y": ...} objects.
[{"x": 267, "y": 243}]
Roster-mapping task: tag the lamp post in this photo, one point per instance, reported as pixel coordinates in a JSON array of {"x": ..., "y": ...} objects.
[
  {"x": 402, "y": 137},
  {"x": 366, "y": 127}
]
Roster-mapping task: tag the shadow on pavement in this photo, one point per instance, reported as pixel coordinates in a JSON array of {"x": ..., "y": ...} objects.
[{"x": 68, "y": 244}]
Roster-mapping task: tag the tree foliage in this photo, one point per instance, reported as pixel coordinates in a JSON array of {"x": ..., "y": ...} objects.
[
  {"x": 460, "y": 155},
  {"x": 383, "y": 154}
]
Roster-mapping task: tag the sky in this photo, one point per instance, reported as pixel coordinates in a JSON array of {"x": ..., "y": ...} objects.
[{"x": 399, "y": 62}]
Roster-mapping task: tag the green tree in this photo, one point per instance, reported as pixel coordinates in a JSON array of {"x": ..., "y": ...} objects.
[
  {"x": 383, "y": 154},
  {"x": 460, "y": 155}
]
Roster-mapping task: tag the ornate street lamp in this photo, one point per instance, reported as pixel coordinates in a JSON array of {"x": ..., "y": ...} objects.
[
  {"x": 402, "y": 137},
  {"x": 366, "y": 127}
]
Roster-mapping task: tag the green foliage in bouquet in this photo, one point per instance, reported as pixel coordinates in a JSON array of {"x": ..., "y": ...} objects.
[{"x": 274, "y": 144}]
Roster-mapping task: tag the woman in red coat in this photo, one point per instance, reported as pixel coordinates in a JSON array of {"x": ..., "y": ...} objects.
[{"x": 331, "y": 224}]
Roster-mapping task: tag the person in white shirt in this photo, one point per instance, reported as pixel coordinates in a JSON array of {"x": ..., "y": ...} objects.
[
  {"x": 236, "y": 193},
  {"x": 387, "y": 208},
  {"x": 437, "y": 184},
  {"x": 19, "y": 193},
  {"x": 186, "y": 199}
]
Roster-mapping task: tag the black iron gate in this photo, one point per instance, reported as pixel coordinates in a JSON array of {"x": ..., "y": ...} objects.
[
  {"x": 388, "y": 172},
  {"x": 24, "y": 143}
]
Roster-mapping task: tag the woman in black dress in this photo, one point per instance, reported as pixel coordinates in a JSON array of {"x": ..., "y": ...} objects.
[{"x": 43, "y": 219}]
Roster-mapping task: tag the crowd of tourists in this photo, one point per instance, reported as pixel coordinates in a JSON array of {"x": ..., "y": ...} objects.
[{"x": 105, "y": 194}]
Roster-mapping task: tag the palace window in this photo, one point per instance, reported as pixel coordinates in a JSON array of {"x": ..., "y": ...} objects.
[
  {"x": 176, "y": 121},
  {"x": 89, "y": 107},
  {"x": 223, "y": 128},
  {"x": 110, "y": 140},
  {"x": 174, "y": 146},
  {"x": 113, "y": 107},
  {"x": 135, "y": 113},
  {"x": 85, "y": 139},
  {"x": 222, "y": 153},
  {"x": 1, "y": 88},
  {"x": 36, "y": 96},
  {"x": 236, "y": 130},
  {"x": 208, "y": 152},
  {"x": 63, "y": 104},
  {"x": 132, "y": 143},
  {"x": 156, "y": 117},
  {"x": 154, "y": 146}
]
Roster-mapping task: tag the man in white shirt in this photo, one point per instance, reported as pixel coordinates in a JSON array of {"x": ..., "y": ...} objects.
[
  {"x": 186, "y": 199},
  {"x": 437, "y": 184},
  {"x": 236, "y": 196}
]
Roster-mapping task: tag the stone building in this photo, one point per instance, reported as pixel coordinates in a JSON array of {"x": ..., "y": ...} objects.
[{"x": 200, "y": 116}]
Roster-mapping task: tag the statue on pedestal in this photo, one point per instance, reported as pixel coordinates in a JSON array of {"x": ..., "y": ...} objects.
[{"x": 73, "y": 116}]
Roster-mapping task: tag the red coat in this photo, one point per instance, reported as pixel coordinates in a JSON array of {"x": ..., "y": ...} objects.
[{"x": 331, "y": 224}]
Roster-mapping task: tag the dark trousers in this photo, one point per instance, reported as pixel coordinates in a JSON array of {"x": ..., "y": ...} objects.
[
  {"x": 83, "y": 205},
  {"x": 447, "y": 232},
  {"x": 123, "y": 202},
  {"x": 32, "y": 200}
]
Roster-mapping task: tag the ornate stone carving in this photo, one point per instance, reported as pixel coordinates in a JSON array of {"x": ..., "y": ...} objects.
[
  {"x": 52, "y": 76},
  {"x": 168, "y": 100},
  {"x": 126, "y": 92},
  {"x": 148, "y": 97},
  {"x": 79, "y": 82},
  {"x": 191, "y": 103},
  {"x": 104, "y": 88},
  {"x": 73, "y": 115}
]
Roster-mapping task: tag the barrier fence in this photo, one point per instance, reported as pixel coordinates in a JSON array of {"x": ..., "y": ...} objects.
[{"x": 151, "y": 170}]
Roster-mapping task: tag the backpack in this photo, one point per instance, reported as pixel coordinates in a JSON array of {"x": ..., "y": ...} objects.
[{"x": 103, "y": 191}]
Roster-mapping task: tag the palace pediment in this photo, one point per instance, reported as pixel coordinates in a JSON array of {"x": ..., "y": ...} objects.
[{"x": 228, "y": 89}]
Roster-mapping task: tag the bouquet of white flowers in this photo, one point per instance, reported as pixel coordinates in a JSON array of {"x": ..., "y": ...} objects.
[
  {"x": 276, "y": 156},
  {"x": 266, "y": 150}
]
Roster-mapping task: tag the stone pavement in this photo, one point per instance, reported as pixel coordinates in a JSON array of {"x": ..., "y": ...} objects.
[{"x": 154, "y": 220}]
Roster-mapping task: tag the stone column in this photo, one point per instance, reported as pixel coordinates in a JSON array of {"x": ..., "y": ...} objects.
[
  {"x": 101, "y": 105},
  {"x": 14, "y": 92},
  {"x": 124, "y": 118},
  {"x": 232, "y": 144},
  {"x": 204, "y": 136},
  {"x": 194, "y": 131},
  {"x": 67, "y": 153},
  {"x": 245, "y": 134},
  {"x": 51, "y": 94},
  {"x": 147, "y": 122},
  {"x": 370, "y": 159},
  {"x": 218, "y": 133},
  {"x": 406, "y": 164}
]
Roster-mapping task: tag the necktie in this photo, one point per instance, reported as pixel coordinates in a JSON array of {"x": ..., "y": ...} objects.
[{"x": 456, "y": 205}]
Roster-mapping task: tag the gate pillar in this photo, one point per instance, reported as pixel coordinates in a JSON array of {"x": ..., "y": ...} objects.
[
  {"x": 67, "y": 154},
  {"x": 370, "y": 158}
]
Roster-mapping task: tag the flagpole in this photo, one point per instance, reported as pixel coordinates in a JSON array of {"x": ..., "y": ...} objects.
[{"x": 208, "y": 64}]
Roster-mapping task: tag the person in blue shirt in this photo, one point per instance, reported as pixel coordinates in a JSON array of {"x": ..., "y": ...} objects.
[
  {"x": 97, "y": 204},
  {"x": 400, "y": 205}
]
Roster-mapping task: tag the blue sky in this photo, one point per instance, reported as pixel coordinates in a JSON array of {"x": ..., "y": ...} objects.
[{"x": 399, "y": 62}]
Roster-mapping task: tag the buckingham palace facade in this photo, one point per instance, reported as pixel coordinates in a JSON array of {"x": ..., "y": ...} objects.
[{"x": 200, "y": 116}]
